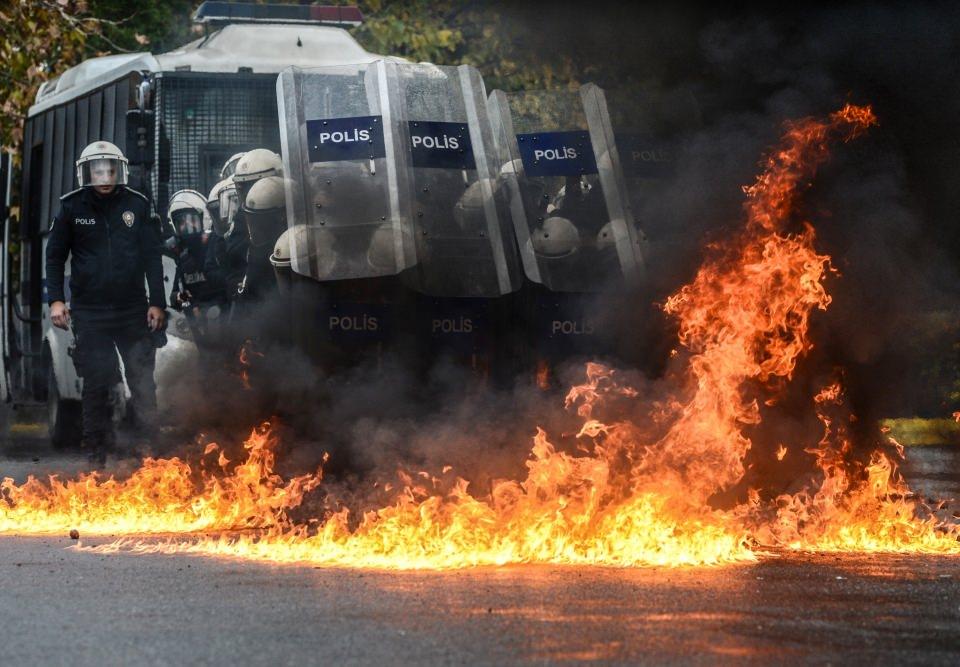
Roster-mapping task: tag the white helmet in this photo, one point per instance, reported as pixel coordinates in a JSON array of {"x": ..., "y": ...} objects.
[
  {"x": 311, "y": 244},
  {"x": 230, "y": 166},
  {"x": 256, "y": 164},
  {"x": 101, "y": 163},
  {"x": 185, "y": 212},
  {"x": 281, "y": 249},
  {"x": 512, "y": 167},
  {"x": 606, "y": 237},
  {"x": 382, "y": 253},
  {"x": 222, "y": 204},
  {"x": 557, "y": 237},
  {"x": 469, "y": 208},
  {"x": 266, "y": 194},
  {"x": 265, "y": 209}
]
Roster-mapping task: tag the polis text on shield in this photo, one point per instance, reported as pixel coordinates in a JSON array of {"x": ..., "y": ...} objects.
[
  {"x": 557, "y": 153},
  {"x": 439, "y": 145},
  {"x": 336, "y": 139}
]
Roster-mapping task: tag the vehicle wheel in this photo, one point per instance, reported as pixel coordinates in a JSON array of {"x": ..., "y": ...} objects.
[{"x": 64, "y": 416}]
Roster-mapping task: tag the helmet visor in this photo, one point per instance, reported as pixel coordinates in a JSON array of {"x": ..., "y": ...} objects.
[
  {"x": 102, "y": 172},
  {"x": 265, "y": 227},
  {"x": 243, "y": 187},
  {"x": 229, "y": 204},
  {"x": 230, "y": 167},
  {"x": 187, "y": 222},
  {"x": 213, "y": 211}
]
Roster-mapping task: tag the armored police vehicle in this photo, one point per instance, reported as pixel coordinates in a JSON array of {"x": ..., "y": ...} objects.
[{"x": 177, "y": 116}]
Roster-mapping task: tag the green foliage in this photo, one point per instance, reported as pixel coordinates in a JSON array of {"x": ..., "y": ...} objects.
[
  {"x": 38, "y": 39},
  {"x": 455, "y": 32},
  {"x": 41, "y": 38},
  {"x": 158, "y": 26},
  {"x": 916, "y": 431}
]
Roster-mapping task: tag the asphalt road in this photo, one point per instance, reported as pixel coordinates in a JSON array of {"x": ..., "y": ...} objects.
[{"x": 63, "y": 606}]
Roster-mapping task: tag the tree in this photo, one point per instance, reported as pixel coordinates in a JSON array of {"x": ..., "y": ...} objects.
[
  {"x": 490, "y": 36},
  {"x": 38, "y": 39},
  {"x": 41, "y": 38}
]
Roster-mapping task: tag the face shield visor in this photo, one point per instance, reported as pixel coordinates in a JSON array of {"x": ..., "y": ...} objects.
[
  {"x": 228, "y": 205},
  {"x": 230, "y": 167},
  {"x": 187, "y": 222},
  {"x": 243, "y": 187},
  {"x": 213, "y": 210},
  {"x": 102, "y": 172},
  {"x": 265, "y": 226}
]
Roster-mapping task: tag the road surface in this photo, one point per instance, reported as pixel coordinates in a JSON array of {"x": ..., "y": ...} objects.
[{"x": 62, "y": 606}]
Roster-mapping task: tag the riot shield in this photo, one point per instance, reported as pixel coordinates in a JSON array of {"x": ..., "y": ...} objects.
[
  {"x": 650, "y": 127},
  {"x": 572, "y": 219},
  {"x": 342, "y": 166},
  {"x": 462, "y": 228}
]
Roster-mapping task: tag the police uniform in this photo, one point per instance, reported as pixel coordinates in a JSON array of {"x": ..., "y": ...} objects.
[
  {"x": 113, "y": 243},
  {"x": 225, "y": 262},
  {"x": 191, "y": 275}
]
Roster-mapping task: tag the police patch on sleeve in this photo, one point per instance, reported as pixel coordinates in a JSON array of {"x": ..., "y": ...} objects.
[{"x": 128, "y": 218}]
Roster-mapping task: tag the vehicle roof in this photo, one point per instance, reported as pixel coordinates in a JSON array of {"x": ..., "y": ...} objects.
[{"x": 261, "y": 48}]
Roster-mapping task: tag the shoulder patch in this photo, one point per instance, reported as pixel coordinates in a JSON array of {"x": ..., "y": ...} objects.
[{"x": 71, "y": 194}]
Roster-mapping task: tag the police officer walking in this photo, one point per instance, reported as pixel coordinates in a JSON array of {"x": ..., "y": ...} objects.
[{"x": 113, "y": 242}]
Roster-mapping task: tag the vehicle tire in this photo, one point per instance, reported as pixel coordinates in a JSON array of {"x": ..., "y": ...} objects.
[{"x": 65, "y": 418}]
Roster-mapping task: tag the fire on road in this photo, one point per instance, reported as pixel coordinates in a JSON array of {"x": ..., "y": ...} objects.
[
  {"x": 793, "y": 578},
  {"x": 642, "y": 490}
]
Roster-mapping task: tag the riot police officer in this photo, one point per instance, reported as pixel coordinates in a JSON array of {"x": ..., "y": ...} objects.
[
  {"x": 264, "y": 209},
  {"x": 222, "y": 206},
  {"x": 231, "y": 255},
  {"x": 225, "y": 259},
  {"x": 114, "y": 244},
  {"x": 191, "y": 286},
  {"x": 201, "y": 297}
]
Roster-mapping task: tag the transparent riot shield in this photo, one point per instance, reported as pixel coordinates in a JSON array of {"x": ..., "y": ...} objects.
[
  {"x": 462, "y": 228},
  {"x": 650, "y": 128},
  {"x": 572, "y": 219},
  {"x": 342, "y": 165}
]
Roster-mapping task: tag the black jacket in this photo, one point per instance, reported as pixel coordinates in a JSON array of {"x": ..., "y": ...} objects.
[
  {"x": 191, "y": 254},
  {"x": 113, "y": 242},
  {"x": 226, "y": 258}
]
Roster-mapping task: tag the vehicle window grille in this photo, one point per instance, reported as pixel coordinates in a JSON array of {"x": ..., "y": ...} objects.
[{"x": 203, "y": 119}]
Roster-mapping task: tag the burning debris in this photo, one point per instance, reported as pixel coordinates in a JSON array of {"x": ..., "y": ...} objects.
[{"x": 643, "y": 489}]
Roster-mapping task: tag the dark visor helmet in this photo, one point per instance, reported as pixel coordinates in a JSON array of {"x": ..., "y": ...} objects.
[{"x": 185, "y": 212}]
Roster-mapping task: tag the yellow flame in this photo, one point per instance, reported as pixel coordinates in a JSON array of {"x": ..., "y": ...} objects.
[{"x": 162, "y": 496}]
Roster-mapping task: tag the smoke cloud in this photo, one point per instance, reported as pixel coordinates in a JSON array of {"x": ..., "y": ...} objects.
[{"x": 884, "y": 210}]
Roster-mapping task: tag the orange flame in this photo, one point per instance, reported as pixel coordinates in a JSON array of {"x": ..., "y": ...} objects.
[
  {"x": 641, "y": 493},
  {"x": 162, "y": 496},
  {"x": 246, "y": 351}
]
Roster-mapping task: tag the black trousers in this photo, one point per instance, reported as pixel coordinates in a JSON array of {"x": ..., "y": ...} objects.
[{"x": 98, "y": 338}]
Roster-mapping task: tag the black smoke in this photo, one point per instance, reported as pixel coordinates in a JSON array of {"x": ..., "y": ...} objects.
[{"x": 884, "y": 209}]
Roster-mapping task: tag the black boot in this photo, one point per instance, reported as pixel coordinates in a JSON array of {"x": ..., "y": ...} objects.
[
  {"x": 98, "y": 448},
  {"x": 96, "y": 453}
]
